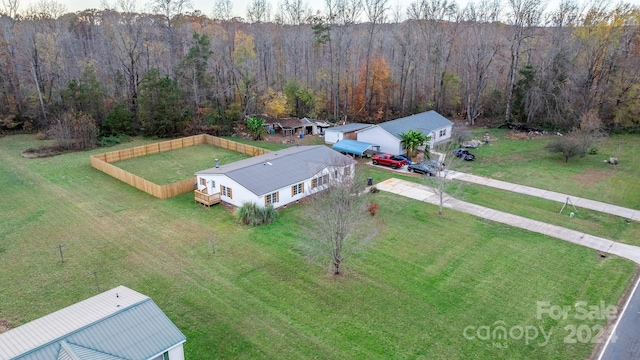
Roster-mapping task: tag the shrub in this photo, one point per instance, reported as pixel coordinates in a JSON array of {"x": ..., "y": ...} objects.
[
  {"x": 373, "y": 208},
  {"x": 254, "y": 215},
  {"x": 114, "y": 140},
  {"x": 75, "y": 131}
]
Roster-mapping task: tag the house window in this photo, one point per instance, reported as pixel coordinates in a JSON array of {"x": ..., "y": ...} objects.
[
  {"x": 203, "y": 181},
  {"x": 347, "y": 171},
  {"x": 443, "y": 132},
  {"x": 226, "y": 191},
  {"x": 319, "y": 181},
  {"x": 297, "y": 189},
  {"x": 272, "y": 198}
]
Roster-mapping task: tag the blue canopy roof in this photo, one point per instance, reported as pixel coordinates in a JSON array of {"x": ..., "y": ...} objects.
[{"x": 352, "y": 147}]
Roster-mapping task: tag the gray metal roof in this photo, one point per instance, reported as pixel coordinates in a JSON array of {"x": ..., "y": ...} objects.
[
  {"x": 266, "y": 173},
  {"x": 117, "y": 324},
  {"x": 425, "y": 122},
  {"x": 349, "y": 127},
  {"x": 353, "y": 146}
]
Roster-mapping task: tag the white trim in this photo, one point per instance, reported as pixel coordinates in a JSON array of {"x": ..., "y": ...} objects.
[{"x": 167, "y": 350}]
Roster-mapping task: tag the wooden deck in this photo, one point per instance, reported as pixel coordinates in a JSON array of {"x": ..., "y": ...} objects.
[{"x": 205, "y": 199}]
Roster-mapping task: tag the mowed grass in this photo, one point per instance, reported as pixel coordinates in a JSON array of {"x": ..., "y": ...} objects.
[
  {"x": 526, "y": 162},
  {"x": 411, "y": 295},
  {"x": 176, "y": 165}
]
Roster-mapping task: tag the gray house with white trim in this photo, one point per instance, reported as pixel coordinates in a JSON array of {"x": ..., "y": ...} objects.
[
  {"x": 277, "y": 178},
  {"x": 118, "y": 324},
  {"x": 387, "y": 134}
]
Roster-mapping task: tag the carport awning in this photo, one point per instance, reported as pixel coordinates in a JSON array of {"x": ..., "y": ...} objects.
[{"x": 353, "y": 147}]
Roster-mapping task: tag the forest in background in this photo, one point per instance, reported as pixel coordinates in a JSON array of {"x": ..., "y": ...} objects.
[{"x": 167, "y": 71}]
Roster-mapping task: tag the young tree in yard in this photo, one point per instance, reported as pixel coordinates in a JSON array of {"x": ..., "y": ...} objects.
[
  {"x": 412, "y": 140},
  {"x": 569, "y": 146},
  {"x": 444, "y": 187},
  {"x": 342, "y": 224},
  {"x": 255, "y": 125}
]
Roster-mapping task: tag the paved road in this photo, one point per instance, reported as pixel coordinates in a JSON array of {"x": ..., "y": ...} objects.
[
  {"x": 426, "y": 194},
  {"x": 624, "y": 343}
]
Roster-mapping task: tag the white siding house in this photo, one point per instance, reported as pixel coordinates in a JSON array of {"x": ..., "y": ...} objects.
[
  {"x": 387, "y": 134},
  {"x": 278, "y": 178},
  {"x": 117, "y": 324},
  {"x": 335, "y": 134}
]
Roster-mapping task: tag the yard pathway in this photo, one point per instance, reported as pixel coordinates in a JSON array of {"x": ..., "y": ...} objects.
[
  {"x": 627, "y": 213},
  {"x": 426, "y": 194}
]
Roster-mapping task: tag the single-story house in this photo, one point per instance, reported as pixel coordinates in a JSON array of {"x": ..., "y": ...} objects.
[
  {"x": 355, "y": 147},
  {"x": 277, "y": 178},
  {"x": 118, "y": 324},
  {"x": 291, "y": 126},
  {"x": 338, "y": 133},
  {"x": 387, "y": 134}
]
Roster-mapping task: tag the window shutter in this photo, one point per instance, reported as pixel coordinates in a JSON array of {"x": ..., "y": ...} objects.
[
  {"x": 314, "y": 182},
  {"x": 301, "y": 188},
  {"x": 266, "y": 202},
  {"x": 278, "y": 196},
  {"x": 229, "y": 191},
  {"x": 293, "y": 188},
  {"x": 221, "y": 190}
]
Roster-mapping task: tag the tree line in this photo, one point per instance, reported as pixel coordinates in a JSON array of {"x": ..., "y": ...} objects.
[{"x": 168, "y": 71}]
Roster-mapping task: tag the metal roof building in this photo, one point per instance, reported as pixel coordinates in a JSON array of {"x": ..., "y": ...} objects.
[
  {"x": 354, "y": 147},
  {"x": 425, "y": 122},
  {"x": 119, "y": 324}
]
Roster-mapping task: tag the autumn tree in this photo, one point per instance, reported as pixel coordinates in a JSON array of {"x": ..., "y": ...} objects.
[
  {"x": 243, "y": 58},
  {"x": 373, "y": 107},
  {"x": 300, "y": 99},
  {"x": 275, "y": 103}
]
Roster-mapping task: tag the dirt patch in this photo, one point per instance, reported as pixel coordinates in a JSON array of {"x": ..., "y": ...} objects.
[
  {"x": 5, "y": 325},
  {"x": 591, "y": 176},
  {"x": 42, "y": 152}
]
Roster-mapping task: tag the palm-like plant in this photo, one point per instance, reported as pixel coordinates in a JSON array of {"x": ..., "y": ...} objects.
[
  {"x": 413, "y": 139},
  {"x": 255, "y": 125}
]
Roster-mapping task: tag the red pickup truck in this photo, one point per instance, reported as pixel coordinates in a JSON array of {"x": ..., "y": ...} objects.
[{"x": 388, "y": 160}]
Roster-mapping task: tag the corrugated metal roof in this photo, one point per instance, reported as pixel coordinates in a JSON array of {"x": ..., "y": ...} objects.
[
  {"x": 266, "y": 173},
  {"x": 352, "y": 146},
  {"x": 349, "y": 127},
  {"x": 117, "y": 324},
  {"x": 425, "y": 122}
]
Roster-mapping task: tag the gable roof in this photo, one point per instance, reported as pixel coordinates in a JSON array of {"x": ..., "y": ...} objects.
[
  {"x": 272, "y": 171},
  {"x": 425, "y": 122},
  {"x": 349, "y": 127},
  {"x": 118, "y": 324}
]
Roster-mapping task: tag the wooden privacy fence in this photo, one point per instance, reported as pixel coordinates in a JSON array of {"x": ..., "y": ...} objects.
[{"x": 103, "y": 162}]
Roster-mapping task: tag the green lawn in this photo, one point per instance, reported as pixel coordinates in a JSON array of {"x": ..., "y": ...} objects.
[
  {"x": 176, "y": 165},
  {"x": 526, "y": 162},
  {"x": 411, "y": 295}
]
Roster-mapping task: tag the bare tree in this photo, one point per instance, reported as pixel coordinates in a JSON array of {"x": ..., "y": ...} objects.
[
  {"x": 480, "y": 52},
  {"x": 525, "y": 15},
  {"x": 222, "y": 9},
  {"x": 169, "y": 9},
  {"x": 258, "y": 11},
  {"x": 342, "y": 224}
]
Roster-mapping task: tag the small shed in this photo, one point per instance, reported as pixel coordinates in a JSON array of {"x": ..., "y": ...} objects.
[
  {"x": 355, "y": 147},
  {"x": 338, "y": 133}
]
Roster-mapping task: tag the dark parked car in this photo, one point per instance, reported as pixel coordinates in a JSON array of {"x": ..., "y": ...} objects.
[
  {"x": 422, "y": 168},
  {"x": 402, "y": 157},
  {"x": 437, "y": 165},
  {"x": 464, "y": 154}
]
